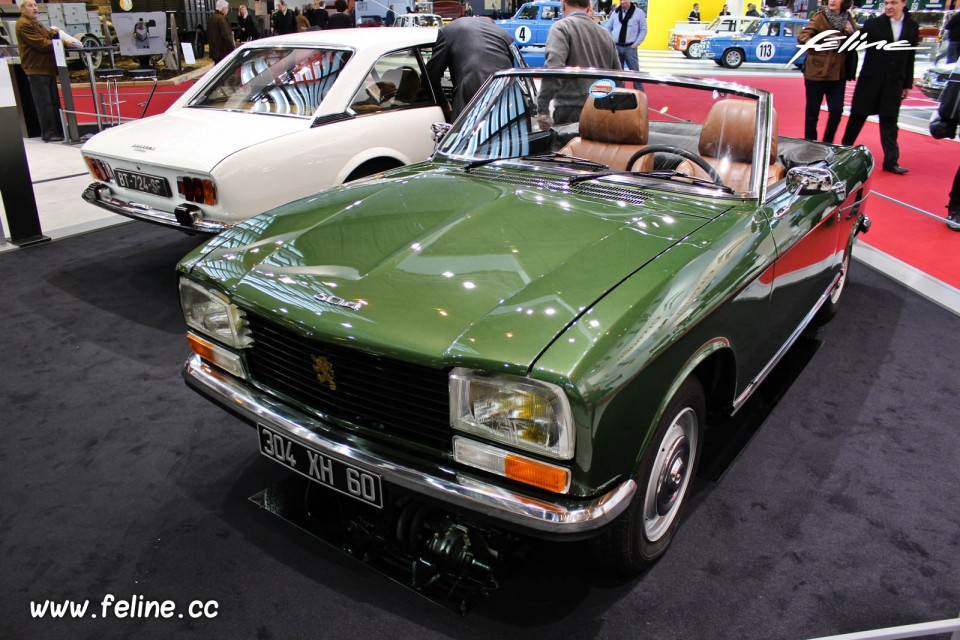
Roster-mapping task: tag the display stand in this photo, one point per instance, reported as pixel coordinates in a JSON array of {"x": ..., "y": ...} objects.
[{"x": 16, "y": 186}]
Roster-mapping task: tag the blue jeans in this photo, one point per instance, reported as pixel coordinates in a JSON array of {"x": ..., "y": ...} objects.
[
  {"x": 628, "y": 57},
  {"x": 953, "y": 51}
]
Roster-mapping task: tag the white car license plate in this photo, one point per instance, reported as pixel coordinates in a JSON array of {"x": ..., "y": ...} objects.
[
  {"x": 142, "y": 182},
  {"x": 322, "y": 469}
]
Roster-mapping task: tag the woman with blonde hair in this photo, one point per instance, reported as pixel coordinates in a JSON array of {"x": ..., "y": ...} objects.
[{"x": 823, "y": 71}]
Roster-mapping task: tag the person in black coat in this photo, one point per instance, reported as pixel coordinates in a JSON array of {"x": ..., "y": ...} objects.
[
  {"x": 284, "y": 20},
  {"x": 473, "y": 49},
  {"x": 245, "y": 25},
  {"x": 341, "y": 19},
  {"x": 886, "y": 78}
]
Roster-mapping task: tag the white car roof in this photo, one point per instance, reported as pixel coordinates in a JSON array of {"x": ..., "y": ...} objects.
[{"x": 367, "y": 39}]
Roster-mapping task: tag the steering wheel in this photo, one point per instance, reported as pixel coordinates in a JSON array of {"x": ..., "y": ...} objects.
[{"x": 680, "y": 151}]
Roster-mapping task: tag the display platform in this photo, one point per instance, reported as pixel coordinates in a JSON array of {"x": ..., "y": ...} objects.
[{"x": 833, "y": 509}]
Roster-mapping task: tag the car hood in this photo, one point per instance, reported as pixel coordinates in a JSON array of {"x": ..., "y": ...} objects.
[
  {"x": 190, "y": 138},
  {"x": 443, "y": 267}
]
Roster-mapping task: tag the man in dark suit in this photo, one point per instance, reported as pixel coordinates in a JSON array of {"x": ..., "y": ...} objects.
[
  {"x": 885, "y": 80},
  {"x": 284, "y": 21},
  {"x": 473, "y": 49}
]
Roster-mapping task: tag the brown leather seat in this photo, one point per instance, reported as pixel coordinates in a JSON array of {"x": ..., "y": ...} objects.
[
  {"x": 612, "y": 137},
  {"x": 727, "y": 141}
]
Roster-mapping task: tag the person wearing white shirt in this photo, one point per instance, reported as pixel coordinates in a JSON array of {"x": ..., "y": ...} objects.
[{"x": 886, "y": 78}]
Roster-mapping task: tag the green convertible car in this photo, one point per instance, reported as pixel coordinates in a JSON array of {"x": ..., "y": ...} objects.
[{"x": 534, "y": 328}]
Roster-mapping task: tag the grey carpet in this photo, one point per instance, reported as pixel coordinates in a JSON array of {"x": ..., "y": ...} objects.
[{"x": 832, "y": 508}]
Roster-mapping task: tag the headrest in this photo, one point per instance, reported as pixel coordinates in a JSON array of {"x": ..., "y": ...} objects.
[
  {"x": 624, "y": 126},
  {"x": 729, "y": 131}
]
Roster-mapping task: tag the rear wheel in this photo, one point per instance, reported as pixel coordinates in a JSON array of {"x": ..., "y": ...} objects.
[
  {"x": 732, "y": 58},
  {"x": 89, "y": 40},
  {"x": 695, "y": 50},
  {"x": 643, "y": 532}
]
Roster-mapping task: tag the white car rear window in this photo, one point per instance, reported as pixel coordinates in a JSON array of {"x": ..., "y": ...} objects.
[{"x": 281, "y": 81}]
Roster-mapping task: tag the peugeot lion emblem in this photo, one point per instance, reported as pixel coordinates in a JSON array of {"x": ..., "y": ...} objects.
[{"x": 324, "y": 371}]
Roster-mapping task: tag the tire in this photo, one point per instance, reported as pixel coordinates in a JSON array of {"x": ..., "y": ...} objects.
[
  {"x": 639, "y": 536},
  {"x": 89, "y": 40},
  {"x": 719, "y": 62},
  {"x": 695, "y": 50},
  {"x": 732, "y": 58},
  {"x": 686, "y": 53}
]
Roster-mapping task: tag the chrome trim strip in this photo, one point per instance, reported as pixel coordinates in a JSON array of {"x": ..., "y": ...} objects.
[
  {"x": 101, "y": 195},
  {"x": 807, "y": 319},
  {"x": 557, "y": 516}
]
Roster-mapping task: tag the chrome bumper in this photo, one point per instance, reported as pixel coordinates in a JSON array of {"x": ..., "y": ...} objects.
[
  {"x": 557, "y": 516},
  {"x": 100, "y": 195}
]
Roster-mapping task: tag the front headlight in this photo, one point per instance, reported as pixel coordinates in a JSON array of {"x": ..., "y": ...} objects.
[
  {"x": 210, "y": 313},
  {"x": 522, "y": 412}
]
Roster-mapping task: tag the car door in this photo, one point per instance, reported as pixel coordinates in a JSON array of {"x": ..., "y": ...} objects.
[
  {"x": 765, "y": 46},
  {"x": 807, "y": 233},
  {"x": 397, "y": 106},
  {"x": 787, "y": 44}
]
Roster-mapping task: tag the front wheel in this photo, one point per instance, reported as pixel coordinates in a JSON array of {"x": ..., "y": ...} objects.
[
  {"x": 732, "y": 58},
  {"x": 637, "y": 538},
  {"x": 695, "y": 50}
]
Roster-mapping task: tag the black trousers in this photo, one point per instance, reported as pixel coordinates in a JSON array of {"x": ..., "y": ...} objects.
[
  {"x": 954, "y": 203},
  {"x": 888, "y": 136},
  {"x": 816, "y": 91},
  {"x": 47, "y": 101}
]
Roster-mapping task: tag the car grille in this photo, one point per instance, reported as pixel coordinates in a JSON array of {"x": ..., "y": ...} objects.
[
  {"x": 605, "y": 191},
  {"x": 388, "y": 396}
]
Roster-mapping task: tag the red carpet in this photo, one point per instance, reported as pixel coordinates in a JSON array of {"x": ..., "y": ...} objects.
[{"x": 909, "y": 236}]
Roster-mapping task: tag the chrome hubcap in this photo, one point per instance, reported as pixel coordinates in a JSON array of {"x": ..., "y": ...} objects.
[{"x": 670, "y": 476}]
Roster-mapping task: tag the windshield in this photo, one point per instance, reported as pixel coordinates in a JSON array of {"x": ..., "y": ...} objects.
[
  {"x": 753, "y": 27},
  {"x": 566, "y": 118},
  {"x": 714, "y": 25},
  {"x": 279, "y": 80}
]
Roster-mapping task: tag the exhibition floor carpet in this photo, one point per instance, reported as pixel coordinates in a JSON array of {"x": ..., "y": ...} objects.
[{"x": 828, "y": 506}]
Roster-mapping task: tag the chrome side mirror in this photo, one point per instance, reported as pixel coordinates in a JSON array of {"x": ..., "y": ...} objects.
[
  {"x": 811, "y": 181},
  {"x": 439, "y": 129}
]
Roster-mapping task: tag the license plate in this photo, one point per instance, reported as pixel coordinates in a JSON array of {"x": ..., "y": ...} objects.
[
  {"x": 142, "y": 182},
  {"x": 322, "y": 469}
]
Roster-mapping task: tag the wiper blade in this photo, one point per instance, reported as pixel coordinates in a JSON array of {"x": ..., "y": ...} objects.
[
  {"x": 668, "y": 174},
  {"x": 479, "y": 163},
  {"x": 556, "y": 156}
]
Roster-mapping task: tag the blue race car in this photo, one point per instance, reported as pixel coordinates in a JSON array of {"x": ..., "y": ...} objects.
[
  {"x": 529, "y": 26},
  {"x": 772, "y": 40}
]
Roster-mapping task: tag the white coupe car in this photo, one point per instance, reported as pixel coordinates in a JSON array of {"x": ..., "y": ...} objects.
[{"x": 279, "y": 119}]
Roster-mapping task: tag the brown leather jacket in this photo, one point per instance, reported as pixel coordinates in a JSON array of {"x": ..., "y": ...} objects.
[
  {"x": 36, "y": 48},
  {"x": 821, "y": 65}
]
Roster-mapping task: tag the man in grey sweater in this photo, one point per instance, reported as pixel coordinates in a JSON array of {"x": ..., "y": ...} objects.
[{"x": 576, "y": 40}]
